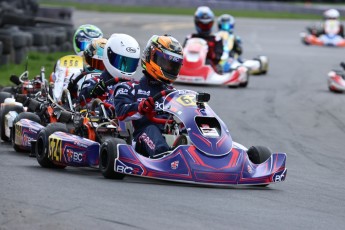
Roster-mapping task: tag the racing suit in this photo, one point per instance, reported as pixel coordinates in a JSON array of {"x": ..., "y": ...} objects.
[
  {"x": 147, "y": 135},
  {"x": 89, "y": 84},
  {"x": 215, "y": 47}
]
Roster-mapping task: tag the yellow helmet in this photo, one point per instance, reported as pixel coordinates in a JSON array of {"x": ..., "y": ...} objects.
[{"x": 162, "y": 58}]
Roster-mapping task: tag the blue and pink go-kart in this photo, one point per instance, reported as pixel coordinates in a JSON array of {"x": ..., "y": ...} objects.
[
  {"x": 209, "y": 156},
  {"x": 203, "y": 153}
]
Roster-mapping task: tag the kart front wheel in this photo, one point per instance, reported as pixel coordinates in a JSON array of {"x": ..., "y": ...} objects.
[
  {"x": 108, "y": 154},
  {"x": 42, "y": 145},
  {"x": 259, "y": 154}
]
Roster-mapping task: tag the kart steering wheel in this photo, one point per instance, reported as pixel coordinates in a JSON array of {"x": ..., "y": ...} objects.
[{"x": 151, "y": 116}]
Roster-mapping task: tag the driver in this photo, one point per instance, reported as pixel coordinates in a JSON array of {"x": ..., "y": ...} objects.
[
  {"x": 226, "y": 24},
  {"x": 83, "y": 36},
  {"x": 120, "y": 58},
  {"x": 203, "y": 20},
  {"x": 161, "y": 61},
  {"x": 330, "y": 17}
]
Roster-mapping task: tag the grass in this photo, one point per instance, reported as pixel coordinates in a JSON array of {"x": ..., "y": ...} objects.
[
  {"x": 36, "y": 61},
  {"x": 177, "y": 11}
]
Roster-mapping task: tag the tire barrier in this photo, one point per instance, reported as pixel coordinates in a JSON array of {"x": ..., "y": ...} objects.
[{"x": 25, "y": 27}]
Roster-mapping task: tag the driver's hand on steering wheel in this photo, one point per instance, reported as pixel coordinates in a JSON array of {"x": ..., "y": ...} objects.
[
  {"x": 146, "y": 106},
  {"x": 99, "y": 89}
]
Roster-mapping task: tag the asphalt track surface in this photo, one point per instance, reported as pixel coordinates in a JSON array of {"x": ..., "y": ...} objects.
[{"x": 289, "y": 110}]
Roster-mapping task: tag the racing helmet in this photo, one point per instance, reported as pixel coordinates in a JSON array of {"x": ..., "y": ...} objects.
[
  {"x": 83, "y": 37},
  {"x": 162, "y": 58},
  {"x": 121, "y": 55},
  {"x": 331, "y": 14},
  {"x": 93, "y": 54},
  {"x": 203, "y": 20},
  {"x": 226, "y": 22}
]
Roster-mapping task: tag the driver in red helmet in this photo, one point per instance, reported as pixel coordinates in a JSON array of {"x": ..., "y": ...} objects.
[
  {"x": 161, "y": 61},
  {"x": 203, "y": 20}
]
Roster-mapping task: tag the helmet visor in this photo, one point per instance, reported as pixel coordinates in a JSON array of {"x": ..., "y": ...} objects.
[
  {"x": 82, "y": 44},
  {"x": 170, "y": 63},
  {"x": 123, "y": 63},
  {"x": 204, "y": 26},
  {"x": 95, "y": 63}
]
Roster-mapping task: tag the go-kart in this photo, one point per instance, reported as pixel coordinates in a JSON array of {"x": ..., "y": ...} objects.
[
  {"x": 328, "y": 37},
  {"x": 23, "y": 85},
  {"x": 92, "y": 123},
  {"x": 256, "y": 66},
  {"x": 209, "y": 155},
  {"x": 12, "y": 102},
  {"x": 195, "y": 70},
  {"x": 336, "y": 80},
  {"x": 57, "y": 147}
]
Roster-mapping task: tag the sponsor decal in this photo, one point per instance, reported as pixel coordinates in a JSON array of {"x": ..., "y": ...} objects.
[
  {"x": 75, "y": 156},
  {"x": 280, "y": 176},
  {"x": 77, "y": 143},
  {"x": 121, "y": 91},
  {"x": 174, "y": 164},
  {"x": 147, "y": 140},
  {"x": 124, "y": 169},
  {"x": 143, "y": 92},
  {"x": 131, "y": 50},
  {"x": 27, "y": 140},
  {"x": 249, "y": 169}
]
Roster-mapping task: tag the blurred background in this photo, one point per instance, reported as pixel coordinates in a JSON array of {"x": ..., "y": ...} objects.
[{"x": 38, "y": 32}]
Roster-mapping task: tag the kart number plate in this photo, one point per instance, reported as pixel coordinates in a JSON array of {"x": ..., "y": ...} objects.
[
  {"x": 187, "y": 100},
  {"x": 55, "y": 147},
  {"x": 71, "y": 62}
]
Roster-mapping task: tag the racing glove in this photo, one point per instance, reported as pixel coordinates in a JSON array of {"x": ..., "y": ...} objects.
[
  {"x": 146, "y": 106},
  {"x": 99, "y": 89}
]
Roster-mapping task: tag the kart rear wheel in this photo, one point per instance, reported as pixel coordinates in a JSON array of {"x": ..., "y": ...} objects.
[
  {"x": 244, "y": 84},
  {"x": 23, "y": 115},
  {"x": 5, "y": 109},
  {"x": 8, "y": 90},
  {"x": 107, "y": 157},
  {"x": 4, "y": 95},
  {"x": 259, "y": 154},
  {"x": 42, "y": 145}
]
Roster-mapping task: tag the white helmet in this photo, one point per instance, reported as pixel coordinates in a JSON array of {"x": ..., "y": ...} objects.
[
  {"x": 331, "y": 14},
  {"x": 121, "y": 55}
]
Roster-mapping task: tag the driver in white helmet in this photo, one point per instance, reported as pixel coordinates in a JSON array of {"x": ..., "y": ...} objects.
[
  {"x": 120, "y": 57},
  {"x": 330, "y": 25}
]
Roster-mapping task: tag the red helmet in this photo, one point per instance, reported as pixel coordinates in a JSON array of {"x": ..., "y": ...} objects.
[{"x": 203, "y": 20}]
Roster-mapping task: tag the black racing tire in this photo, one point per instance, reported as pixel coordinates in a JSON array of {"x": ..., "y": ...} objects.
[
  {"x": 23, "y": 115},
  {"x": 42, "y": 144},
  {"x": 243, "y": 85},
  {"x": 8, "y": 89},
  {"x": 107, "y": 157},
  {"x": 334, "y": 90},
  {"x": 259, "y": 154},
  {"x": 4, "y": 95},
  {"x": 5, "y": 109}
]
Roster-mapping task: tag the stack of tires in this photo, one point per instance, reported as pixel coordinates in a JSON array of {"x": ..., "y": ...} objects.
[{"x": 40, "y": 29}]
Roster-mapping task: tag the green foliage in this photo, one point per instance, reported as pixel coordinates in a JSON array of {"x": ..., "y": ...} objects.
[
  {"x": 177, "y": 11},
  {"x": 35, "y": 62}
]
